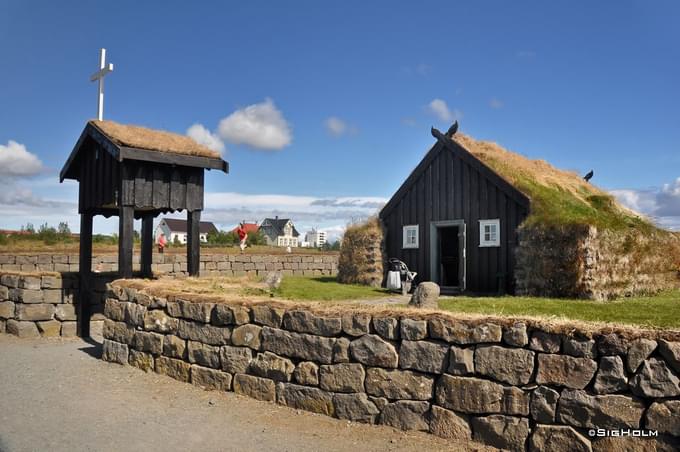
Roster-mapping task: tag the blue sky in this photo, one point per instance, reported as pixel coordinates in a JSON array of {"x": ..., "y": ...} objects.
[{"x": 346, "y": 93}]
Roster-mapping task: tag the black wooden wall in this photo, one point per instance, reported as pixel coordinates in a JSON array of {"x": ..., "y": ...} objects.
[{"x": 448, "y": 186}]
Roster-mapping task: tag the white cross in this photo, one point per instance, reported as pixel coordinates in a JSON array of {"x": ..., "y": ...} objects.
[{"x": 99, "y": 75}]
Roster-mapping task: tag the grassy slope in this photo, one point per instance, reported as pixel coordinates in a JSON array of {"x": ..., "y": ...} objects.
[{"x": 324, "y": 289}]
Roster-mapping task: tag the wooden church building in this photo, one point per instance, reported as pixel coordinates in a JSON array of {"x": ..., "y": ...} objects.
[{"x": 454, "y": 221}]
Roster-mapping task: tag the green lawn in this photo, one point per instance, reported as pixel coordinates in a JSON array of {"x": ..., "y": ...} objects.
[
  {"x": 324, "y": 288},
  {"x": 660, "y": 311}
]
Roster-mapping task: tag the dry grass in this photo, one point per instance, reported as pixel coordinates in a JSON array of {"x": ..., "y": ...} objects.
[
  {"x": 360, "y": 260},
  {"x": 153, "y": 140}
]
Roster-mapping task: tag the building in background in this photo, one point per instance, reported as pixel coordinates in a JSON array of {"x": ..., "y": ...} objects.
[
  {"x": 173, "y": 228},
  {"x": 315, "y": 238},
  {"x": 251, "y": 228},
  {"x": 280, "y": 232}
]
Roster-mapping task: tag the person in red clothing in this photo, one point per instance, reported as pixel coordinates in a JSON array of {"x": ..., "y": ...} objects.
[
  {"x": 161, "y": 243},
  {"x": 242, "y": 236}
]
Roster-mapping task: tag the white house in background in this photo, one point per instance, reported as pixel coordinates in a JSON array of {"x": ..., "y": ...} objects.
[
  {"x": 173, "y": 228},
  {"x": 315, "y": 239},
  {"x": 280, "y": 232}
]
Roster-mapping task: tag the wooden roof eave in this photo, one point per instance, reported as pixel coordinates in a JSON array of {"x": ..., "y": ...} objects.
[{"x": 91, "y": 132}]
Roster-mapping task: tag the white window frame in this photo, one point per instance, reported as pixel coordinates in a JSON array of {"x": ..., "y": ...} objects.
[
  {"x": 405, "y": 243},
  {"x": 483, "y": 243}
]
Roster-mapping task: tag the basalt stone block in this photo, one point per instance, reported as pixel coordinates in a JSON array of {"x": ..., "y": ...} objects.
[
  {"x": 11, "y": 281},
  {"x": 114, "y": 352},
  {"x": 53, "y": 296},
  {"x": 200, "y": 312},
  {"x": 241, "y": 314},
  {"x": 423, "y": 356},
  {"x": 563, "y": 370},
  {"x": 174, "y": 368},
  {"x": 305, "y": 398},
  {"x": 235, "y": 359},
  {"x": 207, "y": 378},
  {"x": 447, "y": 424},
  {"x": 7, "y": 310},
  {"x": 134, "y": 314},
  {"x": 386, "y": 327},
  {"x": 461, "y": 361},
  {"x": 30, "y": 282},
  {"x": 398, "y": 384},
  {"x": 255, "y": 387},
  {"x": 477, "y": 396},
  {"x": 65, "y": 312},
  {"x": 158, "y": 321},
  {"x": 356, "y": 323},
  {"x": 503, "y": 432},
  {"x": 201, "y": 332},
  {"x": 268, "y": 315},
  {"x": 611, "y": 344},
  {"x": 544, "y": 404},
  {"x": 247, "y": 336},
  {"x": 515, "y": 401},
  {"x": 141, "y": 360},
  {"x": 307, "y": 373},
  {"x": 50, "y": 328},
  {"x": 545, "y": 342},
  {"x": 413, "y": 330},
  {"x": 118, "y": 331},
  {"x": 580, "y": 409},
  {"x": 516, "y": 334},
  {"x": 297, "y": 345},
  {"x": 509, "y": 365},
  {"x": 406, "y": 415},
  {"x": 222, "y": 315},
  {"x": 655, "y": 379},
  {"x": 148, "y": 342},
  {"x": 4, "y": 293},
  {"x": 272, "y": 366},
  {"x": 174, "y": 347},
  {"x": 26, "y": 296},
  {"x": 204, "y": 355},
  {"x": 70, "y": 329},
  {"x": 558, "y": 438},
  {"x": 580, "y": 347},
  {"x": 305, "y": 322},
  {"x": 664, "y": 417},
  {"x": 341, "y": 350},
  {"x": 355, "y": 407},
  {"x": 371, "y": 350},
  {"x": 461, "y": 333},
  {"x": 3, "y": 326},
  {"x": 22, "y": 329},
  {"x": 671, "y": 353},
  {"x": 638, "y": 351},
  {"x": 611, "y": 376},
  {"x": 346, "y": 377}
]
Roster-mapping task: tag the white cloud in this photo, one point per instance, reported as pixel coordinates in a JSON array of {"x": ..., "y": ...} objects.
[
  {"x": 660, "y": 204},
  {"x": 496, "y": 103},
  {"x": 203, "y": 136},
  {"x": 260, "y": 126},
  {"x": 441, "y": 110},
  {"x": 16, "y": 161},
  {"x": 338, "y": 127}
]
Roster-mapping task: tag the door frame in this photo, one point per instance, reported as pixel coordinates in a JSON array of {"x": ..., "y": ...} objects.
[{"x": 435, "y": 258}]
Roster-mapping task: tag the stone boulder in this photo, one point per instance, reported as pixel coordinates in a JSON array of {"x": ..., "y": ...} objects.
[
  {"x": 564, "y": 370},
  {"x": 273, "y": 280},
  {"x": 447, "y": 424},
  {"x": 655, "y": 379},
  {"x": 611, "y": 376},
  {"x": 425, "y": 296},
  {"x": 508, "y": 365},
  {"x": 638, "y": 351},
  {"x": 406, "y": 415},
  {"x": 371, "y": 350},
  {"x": 503, "y": 432},
  {"x": 580, "y": 409},
  {"x": 558, "y": 438},
  {"x": 664, "y": 417}
]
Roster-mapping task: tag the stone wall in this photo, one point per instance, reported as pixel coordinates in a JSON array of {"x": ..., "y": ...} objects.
[
  {"x": 44, "y": 304},
  {"x": 176, "y": 264},
  {"x": 513, "y": 384},
  {"x": 582, "y": 262}
]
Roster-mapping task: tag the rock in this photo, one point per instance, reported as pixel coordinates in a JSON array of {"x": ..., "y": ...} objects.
[
  {"x": 118, "y": 331},
  {"x": 3, "y": 326},
  {"x": 222, "y": 315},
  {"x": 509, "y": 365},
  {"x": 347, "y": 377},
  {"x": 295, "y": 345},
  {"x": 134, "y": 314},
  {"x": 355, "y": 407},
  {"x": 204, "y": 355},
  {"x": 423, "y": 356},
  {"x": 563, "y": 370},
  {"x": 580, "y": 348},
  {"x": 671, "y": 353},
  {"x": 406, "y": 415},
  {"x": 371, "y": 350},
  {"x": 545, "y": 342},
  {"x": 141, "y": 360},
  {"x": 49, "y": 328},
  {"x": 611, "y": 376},
  {"x": 469, "y": 394},
  {"x": 65, "y": 312},
  {"x": 69, "y": 329},
  {"x": 51, "y": 282},
  {"x": 268, "y": 315},
  {"x": 7, "y": 310},
  {"x": 380, "y": 402},
  {"x": 638, "y": 351},
  {"x": 114, "y": 309},
  {"x": 503, "y": 432},
  {"x": 544, "y": 404},
  {"x": 30, "y": 282},
  {"x": 9, "y": 280},
  {"x": 114, "y": 352},
  {"x": 186, "y": 309},
  {"x": 425, "y": 296},
  {"x": 33, "y": 312},
  {"x": 515, "y": 401},
  {"x": 558, "y": 438},
  {"x": 631, "y": 444},
  {"x": 341, "y": 350},
  {"x": 655, "y": 379},
  {"x": 235, "y": 359},
  {"x": 148, "y": 342},
  {"x": 272, "y": 366},
  {"x": 664, "y": 417},
  {"x": 447, "y": 424},
  {"x": 272, "y": 281},
  {"x": 241, "y": 314},
  {"x": 516, "y": 334},
  {"x": 207, "y": 378},
  {"x": 159, "y": 322},
  {"x": 461, "y": 361},
  {"x": 307, "y": 373},
  {"x": 174, "y": 347},
  {"x": 305, "y": 398},
  {"x": 461, "y": 333},
  {"x": 201, "y": 332},
  {"x": 413, "y": 330},
  {"x": 356, "y": 323},
  {"x": 398, "y": 384},
  {"x": 26, "y": 296},
  {"x": 611, "y": 344},
  {"x": 255, "y": 387},
  {"x": 247, "y": 335},
  {"x": 386, "y": 327},
  {"x": 302, "y": 321},
  {"x": 579, "y": 409}
]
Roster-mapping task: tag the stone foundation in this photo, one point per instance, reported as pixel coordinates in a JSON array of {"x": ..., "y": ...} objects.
[{"x": 513, "y": 384}]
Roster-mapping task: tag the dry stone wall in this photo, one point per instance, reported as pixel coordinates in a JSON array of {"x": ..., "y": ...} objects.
[{"x": 512, "y": 384}]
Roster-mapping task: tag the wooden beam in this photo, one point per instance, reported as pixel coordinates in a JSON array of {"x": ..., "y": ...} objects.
[
  {"x": 85, "y": 272},
  {"x": 193, "y": 242},
  {"x": 169, "y": 158},
  {"x": 147, "y": 245},
  {"x": 125, "y": 231}
]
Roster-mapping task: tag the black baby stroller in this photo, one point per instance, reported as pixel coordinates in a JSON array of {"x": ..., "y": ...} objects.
[{"x": 399, "y": 277}]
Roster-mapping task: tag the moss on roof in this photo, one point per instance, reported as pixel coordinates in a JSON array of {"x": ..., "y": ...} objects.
[{"x": 152, "y": 140}]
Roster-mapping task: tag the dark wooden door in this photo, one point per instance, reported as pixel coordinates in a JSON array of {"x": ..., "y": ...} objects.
[{"x": 449, "y": 256}]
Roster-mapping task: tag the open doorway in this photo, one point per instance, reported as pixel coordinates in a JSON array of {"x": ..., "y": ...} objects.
[{"x": 447, "y": 254}]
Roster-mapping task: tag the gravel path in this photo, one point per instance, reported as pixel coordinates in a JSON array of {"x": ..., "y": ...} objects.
[{"x": 58, "y": 396}]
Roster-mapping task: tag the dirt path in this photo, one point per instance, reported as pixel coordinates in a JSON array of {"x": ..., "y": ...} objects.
[{"x": 58, "y": 396}]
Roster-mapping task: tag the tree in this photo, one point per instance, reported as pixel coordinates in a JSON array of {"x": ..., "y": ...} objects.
[
  {"x": 63, "y": 229},
  {"x": 28, "y": 228},
  {"x": 256, "y": 238},
  {"x": 175, "y": 241}
]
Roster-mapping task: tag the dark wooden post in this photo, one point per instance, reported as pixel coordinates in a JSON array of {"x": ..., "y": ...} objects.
[
  {"x": 147, "y": 245},
  {"x": 193, "y": 242},
  {"x": 125, "y": 230},
  {"x": 85, "y": 271}
]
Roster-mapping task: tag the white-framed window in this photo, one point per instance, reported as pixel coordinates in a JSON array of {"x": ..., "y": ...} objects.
[
  {"x": 489, "y": 233},
  {"x": 411, "y": 236}
]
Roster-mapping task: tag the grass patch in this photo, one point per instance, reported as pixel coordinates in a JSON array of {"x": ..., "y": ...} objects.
[
  {"x": 659, "y": 311},
  {"x": 324, "y": 288}
]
